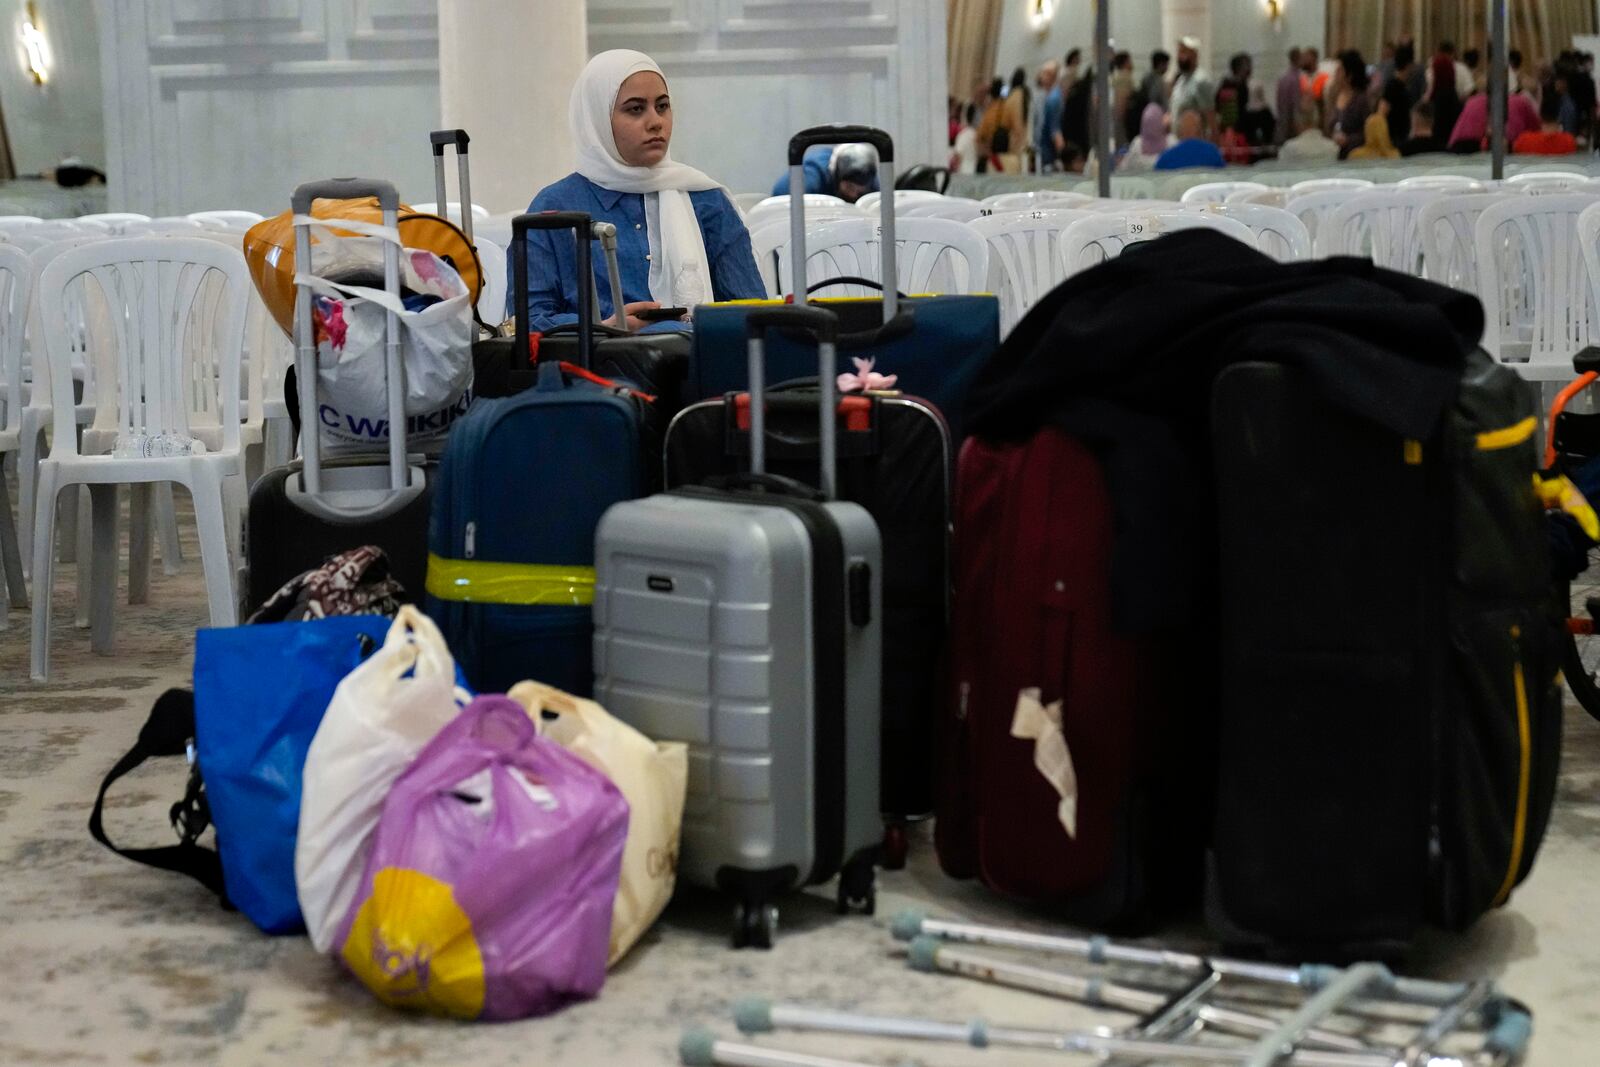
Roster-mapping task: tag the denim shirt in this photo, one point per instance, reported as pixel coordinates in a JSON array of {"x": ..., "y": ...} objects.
[{"x": 552, "y": 255}]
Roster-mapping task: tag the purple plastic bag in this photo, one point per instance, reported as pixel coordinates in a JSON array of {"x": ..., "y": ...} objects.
[{"x": 489, "y": 888}]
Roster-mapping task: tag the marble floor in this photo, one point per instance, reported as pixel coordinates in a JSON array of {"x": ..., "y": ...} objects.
[{"x": 110, "y": 963}]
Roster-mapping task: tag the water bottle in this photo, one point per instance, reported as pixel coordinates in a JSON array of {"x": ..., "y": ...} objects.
[{"x": 156, "y": 446}]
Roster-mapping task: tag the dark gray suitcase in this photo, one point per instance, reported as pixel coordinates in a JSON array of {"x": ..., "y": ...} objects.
[
  {"x": 744, "y": 619},
  {"x": 305, "y": 512}
]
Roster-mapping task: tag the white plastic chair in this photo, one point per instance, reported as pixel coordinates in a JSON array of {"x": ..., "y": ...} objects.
[
  {"x": 1446, "y": 226},
  {"x": 1536, "y": 183},
  {"x": 1534, "y": 242},
  {"x": 1441, "y": 183},
  {"x": 954, "y": 208},
  {"x": 38, "y": 413},
  {"x": 179, "y": 226},
  {"x": 1133, "y": 188},
  {"x": 1104, "y": 236},
  {"x": 1316, "y": 207},
  {"x": 229, "y": 219},
  {"x": 492, "y": 300},
  {"x": 1279, "y": 233},
  {"x": 902, "y": 197},
  {"x": 1381, "y": 225},
  {"x": 826, "y": 208},
  {"x": 1544, "y": 166},
  {"x": 14, "y": 221},
  {"x": 152, "y": 289},
  {"x": 931, "y": 255},
  {"x": 1036, "y": 200},
  {"x": 1218, "y": 192},
  {"x": 453, "y": 207},
  {"x": 113, "y": 221},
  {"x": 1024, "y": 256},
  {"x": 1322, "y": 185},
  {"x": 1275, "y": 196},
  {"x": 16, "y": 288}
]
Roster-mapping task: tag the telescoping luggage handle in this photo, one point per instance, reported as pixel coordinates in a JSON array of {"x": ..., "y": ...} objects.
[
  {"x": 823, "y": 326},
  {"x": 578, "y": 223},
  {"x": 305, "y": 356},
  {"x": 459, "y": 138},
  {"x": 835, "y": 134}
]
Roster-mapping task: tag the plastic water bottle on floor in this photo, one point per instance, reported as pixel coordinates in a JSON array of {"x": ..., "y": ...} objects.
[{"x": 156, "y": 446}]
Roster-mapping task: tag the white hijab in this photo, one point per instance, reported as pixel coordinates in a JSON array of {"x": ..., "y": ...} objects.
[{"x": 680, "y": 274}]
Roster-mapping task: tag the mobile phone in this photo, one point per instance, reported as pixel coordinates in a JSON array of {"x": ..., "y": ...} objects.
[{"x": 660, "y": 314}]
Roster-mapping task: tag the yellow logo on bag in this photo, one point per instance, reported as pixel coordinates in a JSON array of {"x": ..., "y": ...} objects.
[{"x": 413, "y": 946}]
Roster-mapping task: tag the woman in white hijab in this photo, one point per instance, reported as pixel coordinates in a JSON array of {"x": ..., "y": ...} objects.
[{"x": 680, "y": 240}]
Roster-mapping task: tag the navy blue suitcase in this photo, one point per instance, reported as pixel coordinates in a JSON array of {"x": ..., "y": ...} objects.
[{"x": 520, "y": 489}]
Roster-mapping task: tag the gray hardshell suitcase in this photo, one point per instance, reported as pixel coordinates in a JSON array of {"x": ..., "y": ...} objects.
[{"x": 743, "y": 617}]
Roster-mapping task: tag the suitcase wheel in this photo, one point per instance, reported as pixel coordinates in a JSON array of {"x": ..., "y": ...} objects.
[
  {"x": 896, "y": 843},
  {"x": 755, "y": 924},
  {"x": 857, "y": 889}
]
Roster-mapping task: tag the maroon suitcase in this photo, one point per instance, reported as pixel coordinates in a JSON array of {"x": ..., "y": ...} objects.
[{"x": 1032, "y": 608}]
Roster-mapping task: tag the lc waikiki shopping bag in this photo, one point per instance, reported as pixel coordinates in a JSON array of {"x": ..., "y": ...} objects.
[
  {"x": 259, "y": 694},
  {"x": 488, "y": 891},
  {"x": 653, "y": 777}
]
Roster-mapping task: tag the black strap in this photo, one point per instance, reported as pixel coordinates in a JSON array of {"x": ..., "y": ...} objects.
[{"x": 168, "y": 732}]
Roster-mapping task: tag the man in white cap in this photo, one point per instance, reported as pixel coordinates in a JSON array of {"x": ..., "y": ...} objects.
[{"x": 1194, "y": 89}]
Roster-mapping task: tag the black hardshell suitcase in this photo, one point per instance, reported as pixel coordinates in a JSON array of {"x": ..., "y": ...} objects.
[
  {"x": 894, "y": 460},
  {"x": 1390, "y": 705},
  {"x": 301, "y": 514}
]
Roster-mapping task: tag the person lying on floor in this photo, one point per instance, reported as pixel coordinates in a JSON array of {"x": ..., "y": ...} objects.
[{"x": 680, "y": 240}]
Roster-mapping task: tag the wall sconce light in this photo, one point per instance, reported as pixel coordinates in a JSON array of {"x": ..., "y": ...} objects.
[
  {"x": 1040, "y": 12},
  {"x": 1275, "y": 13},
  {"x": 35, "y": 47}
]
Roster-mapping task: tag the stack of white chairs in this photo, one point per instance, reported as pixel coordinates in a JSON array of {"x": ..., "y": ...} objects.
[
  {"x": 1025, "y": 256},
  {"x": 152, "y": 294}
]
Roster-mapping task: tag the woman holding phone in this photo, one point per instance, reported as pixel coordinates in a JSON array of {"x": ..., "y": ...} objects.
[{"x": 680, "y": 240}]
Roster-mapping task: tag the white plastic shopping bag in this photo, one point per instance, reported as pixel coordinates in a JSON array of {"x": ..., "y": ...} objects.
[
  {"x": 351, "y": 322},
  {"x": 380, "y": 717},
  {"x": 652, "y": 775}
]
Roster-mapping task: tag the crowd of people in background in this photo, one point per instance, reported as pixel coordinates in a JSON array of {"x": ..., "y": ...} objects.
[{"x": 1178, "y": 114}]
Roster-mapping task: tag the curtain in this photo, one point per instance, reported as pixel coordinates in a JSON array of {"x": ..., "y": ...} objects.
[
  {"x": 972, "y": 39},
  {"x": 1541, "y": 29}
]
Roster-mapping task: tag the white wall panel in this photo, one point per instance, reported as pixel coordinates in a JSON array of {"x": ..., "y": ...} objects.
[
  {"x": 213, "y": 103},
  {"x": 231, "y": 103},
  {"x": 63, "y": 116},
  {"x": 745, "y": 74}
]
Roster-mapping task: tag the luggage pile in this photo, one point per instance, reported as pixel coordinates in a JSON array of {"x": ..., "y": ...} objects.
[{"x": 1231, "y": 607}]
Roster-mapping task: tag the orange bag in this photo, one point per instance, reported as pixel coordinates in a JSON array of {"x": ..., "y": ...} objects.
[{"x": 269, "y": 249}]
